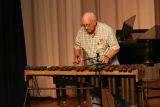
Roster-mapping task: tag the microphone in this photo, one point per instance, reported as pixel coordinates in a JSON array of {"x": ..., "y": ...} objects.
[{"x": 98, "y": 56}]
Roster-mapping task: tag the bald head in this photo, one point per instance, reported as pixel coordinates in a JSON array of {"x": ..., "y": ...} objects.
[
  {"x": 89, "y": 21},
  {"x": 89, "y": 16}
]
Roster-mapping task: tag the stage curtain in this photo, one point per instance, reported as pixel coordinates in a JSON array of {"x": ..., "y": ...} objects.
[
  {"x": 12, "y": 55},
  {"x": 50, "y": 26}
]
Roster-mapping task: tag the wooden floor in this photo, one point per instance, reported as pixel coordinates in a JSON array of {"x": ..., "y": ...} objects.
[
  {"x": 72, "y": 102},
  {"x": 50, "y": 102}
]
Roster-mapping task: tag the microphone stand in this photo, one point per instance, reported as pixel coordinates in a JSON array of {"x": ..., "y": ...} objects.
[
  {"x": 98, "y": 69},
  {"x": 97, "y": 74}
]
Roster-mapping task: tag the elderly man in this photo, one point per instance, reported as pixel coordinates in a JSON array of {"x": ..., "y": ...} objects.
[
  {"x": 97, "y": 41},
  {"x": 96, "y": 38}
]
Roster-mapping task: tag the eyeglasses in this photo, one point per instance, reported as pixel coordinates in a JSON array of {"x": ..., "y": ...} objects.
[{"x": 87, "y": 25}]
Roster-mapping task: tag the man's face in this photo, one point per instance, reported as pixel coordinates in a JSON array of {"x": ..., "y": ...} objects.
[{"x": 89, "y": 25}]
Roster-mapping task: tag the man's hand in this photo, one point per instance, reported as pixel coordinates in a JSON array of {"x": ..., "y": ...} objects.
[
  {"x": 78, "y": 59},
  {"x": 105, "y": 59}
]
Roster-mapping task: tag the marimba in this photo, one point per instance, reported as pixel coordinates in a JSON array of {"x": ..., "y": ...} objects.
[{"x": 128, "y": 76}]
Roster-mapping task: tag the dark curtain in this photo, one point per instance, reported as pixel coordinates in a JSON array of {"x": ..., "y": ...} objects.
[{"x": 12, "y": 54}]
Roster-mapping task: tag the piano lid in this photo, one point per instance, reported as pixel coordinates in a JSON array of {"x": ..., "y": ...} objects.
[{"x": 126, "y": 29}]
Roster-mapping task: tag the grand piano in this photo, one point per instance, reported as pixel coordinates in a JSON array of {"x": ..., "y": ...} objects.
[{"x": 139, "y": 46}]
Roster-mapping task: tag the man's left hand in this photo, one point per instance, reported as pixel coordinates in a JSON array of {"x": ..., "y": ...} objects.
[{"x": 104, "y": 59}]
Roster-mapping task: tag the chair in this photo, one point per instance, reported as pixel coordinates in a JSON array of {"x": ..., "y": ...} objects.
[
  {"x": 148, "y": 94},
  {"x": 151, "y": 92}
]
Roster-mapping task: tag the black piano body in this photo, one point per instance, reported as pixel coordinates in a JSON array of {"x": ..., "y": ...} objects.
[{"x": 140, "y": 47}]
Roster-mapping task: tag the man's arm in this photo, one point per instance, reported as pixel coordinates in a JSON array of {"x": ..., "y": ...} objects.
[
  {"x": 112, "y": 53},
  {"x": 77, "y": 52},
  {"x": 78, "y": 57},
  {"x": 113, "y": 46}
]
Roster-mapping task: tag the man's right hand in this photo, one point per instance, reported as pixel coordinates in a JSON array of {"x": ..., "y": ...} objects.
[{"x": 78, "y": 59}]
